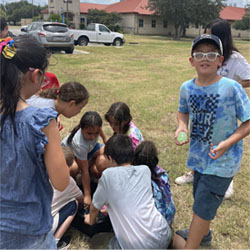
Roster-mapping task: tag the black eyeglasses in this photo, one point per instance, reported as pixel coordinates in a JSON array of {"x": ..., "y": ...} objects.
[{"x": 210, "y": 56}]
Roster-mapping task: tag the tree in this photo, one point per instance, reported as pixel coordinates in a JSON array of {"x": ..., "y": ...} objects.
[
  {"x": 55, "y": 18},
  {"x": 101, "y": 16},
  {"x": 184, "y": 12},
  {"x": 244, "y": 23},
  {"x": 204, "y": 11},
  {"x": 17, "y": 10},
  {"x": 3, "y": 11}
]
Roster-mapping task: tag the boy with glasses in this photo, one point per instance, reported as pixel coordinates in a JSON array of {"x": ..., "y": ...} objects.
[{"x": 213, "y": 104}]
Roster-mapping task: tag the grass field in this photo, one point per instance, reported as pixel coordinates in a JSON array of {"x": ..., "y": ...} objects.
[{"x": 147, "y": 76}]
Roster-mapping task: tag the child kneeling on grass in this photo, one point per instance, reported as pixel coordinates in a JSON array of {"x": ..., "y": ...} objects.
[
  {"x": 65, "y": 204},
  {"x": 127, "y": 192},
  {"x": 213, "y": 104}
]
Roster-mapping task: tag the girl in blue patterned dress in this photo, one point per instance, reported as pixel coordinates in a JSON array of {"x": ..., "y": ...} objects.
[
  {"x": 29, "y": 143},
  {"x": 146, "y": 154}
]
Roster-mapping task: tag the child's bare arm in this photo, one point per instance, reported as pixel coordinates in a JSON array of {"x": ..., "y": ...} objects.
[
  {"x": 91, "y": 217},
  {"x": 84, "y": 166},
  {"x": 182, "y": 119},
  {"x": 245, "y": 83},
  {"x": 104, "y": 137},
  {"x": 54, "y": 159},
  {"x": 239, "y": 134}
]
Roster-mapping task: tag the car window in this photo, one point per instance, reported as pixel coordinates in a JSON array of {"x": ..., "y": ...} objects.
[
  {"x": 30, "y": 26},
  {"x": 55, "y": 28},
  {"x": 35, "y": 26},
  {"x": 103, "y": 28},
  {"x": 91, "y": 26}
]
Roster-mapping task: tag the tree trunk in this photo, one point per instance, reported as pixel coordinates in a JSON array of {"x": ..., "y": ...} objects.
[{"x": 177, "y": 32}]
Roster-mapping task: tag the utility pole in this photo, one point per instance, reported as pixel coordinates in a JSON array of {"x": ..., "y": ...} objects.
[
  {"x": 67, "y": 9},
  {"x": 32, "y": 10}
]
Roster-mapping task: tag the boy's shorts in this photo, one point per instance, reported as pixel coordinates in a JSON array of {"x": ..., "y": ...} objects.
[
  {"x": 208, "y": 192},
  {"x": 66, "y": 211}
]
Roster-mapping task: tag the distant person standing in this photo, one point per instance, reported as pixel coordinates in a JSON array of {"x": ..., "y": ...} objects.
[
  {"x": 4, "y": 32},
  {"x": 234, "y": 66}
]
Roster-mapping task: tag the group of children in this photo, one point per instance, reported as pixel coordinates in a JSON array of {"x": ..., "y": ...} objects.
[{"x": 131, "y": 188}]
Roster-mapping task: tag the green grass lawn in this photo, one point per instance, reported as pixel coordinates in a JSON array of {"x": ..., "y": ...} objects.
[{"x": 147, "y": 76}]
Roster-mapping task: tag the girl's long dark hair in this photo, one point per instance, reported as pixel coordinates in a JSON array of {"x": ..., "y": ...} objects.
[
  {"x": 29, "y": 54},
  {"x": 89, "y": 119},
  {"x": 146, "y": 154},
  {"x": 68, "y": 91},
  {"x": 120, "y": 112},
  {"x": 222, "y": 29}
]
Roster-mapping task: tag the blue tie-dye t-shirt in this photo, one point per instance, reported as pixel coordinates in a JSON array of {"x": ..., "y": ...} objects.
[{"x": 214, "y": 111}]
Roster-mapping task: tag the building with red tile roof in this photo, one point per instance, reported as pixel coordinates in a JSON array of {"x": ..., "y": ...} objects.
[
  {"x": 232, "y": 13},
  {"x": 84, "y": 7},
  {"x": 137, "y": 18},
  {"x": 130, "y": 6}
]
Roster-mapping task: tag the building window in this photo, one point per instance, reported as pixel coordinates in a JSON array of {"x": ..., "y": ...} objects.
[
  {"x": 51, "y": 1},
  {"x": 153, "y": 23},
  {"x": 165, "y": 24},
  {"x": 67, "y": 1},
  {"x": 140, "y": 23},
  {"x": 82, "y": 20}
]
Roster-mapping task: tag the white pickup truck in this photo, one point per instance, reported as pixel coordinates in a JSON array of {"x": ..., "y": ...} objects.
[{"x": 97, "y": 33}]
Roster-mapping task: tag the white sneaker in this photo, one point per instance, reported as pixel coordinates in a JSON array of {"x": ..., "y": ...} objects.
[
  {"x": 230, "y": 191},
  {"x": 184, "y": 179}
]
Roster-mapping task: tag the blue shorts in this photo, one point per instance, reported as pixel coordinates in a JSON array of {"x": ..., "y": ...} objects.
[
  {"x": 68, "y": 210},
  {"x": 95, "y": 149},
  {"x": 208, "y": 192}
]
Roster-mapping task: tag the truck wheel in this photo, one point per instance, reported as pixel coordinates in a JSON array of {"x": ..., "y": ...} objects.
[
  {"x": 69, "y": 51},
  {"x": 83, "y": 41},
  {"x": 117, "y": 42}
]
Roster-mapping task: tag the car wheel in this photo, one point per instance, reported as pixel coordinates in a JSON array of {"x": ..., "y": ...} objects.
[
  {"x": 107, "y": 44},
  {"x": 69, "y": 51},
  {"x": 83, "y": 41},
  {"x": 117, "y": 42}
]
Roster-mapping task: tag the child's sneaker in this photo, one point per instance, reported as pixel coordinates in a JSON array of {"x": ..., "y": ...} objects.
[
  {"x": 64, "y": 243},
  {"x": 206, "y": 241},
  {"x": 184, "y": 179},
  {"x": 230, "y": 191}
]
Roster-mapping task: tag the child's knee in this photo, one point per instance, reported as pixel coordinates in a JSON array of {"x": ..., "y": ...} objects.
[
  {"x": 100, "y": 163},
  {"x": 74, "y": 169}
]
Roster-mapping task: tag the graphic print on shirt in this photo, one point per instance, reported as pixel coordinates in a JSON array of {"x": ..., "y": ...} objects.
[{"x": 204, "y": 109}]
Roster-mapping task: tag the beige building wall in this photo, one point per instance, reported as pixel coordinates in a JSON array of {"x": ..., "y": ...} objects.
[
  {"x": 130, "y": 24},
  {"x": 26, "y": 21},
  {"x": 193, "y": 32},
  {"x": 127, "y": 23},
  {"x": 70, "y": 8},
  {"x": 241, "y": 33}
]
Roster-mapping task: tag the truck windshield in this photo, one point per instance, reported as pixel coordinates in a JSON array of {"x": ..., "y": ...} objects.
[{"x": 91, "y": 26}]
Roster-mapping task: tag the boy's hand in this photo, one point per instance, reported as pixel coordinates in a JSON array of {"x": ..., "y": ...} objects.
[
  {"x": 176, "y": 136},
  {"x": 220, "y": 149}
]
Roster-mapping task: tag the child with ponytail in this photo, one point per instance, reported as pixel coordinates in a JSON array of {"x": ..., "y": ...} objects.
[
  {"x": 29, "y": 141},
  {"x": 68, "y": 100},
  {"x": 83, "y": 140}
]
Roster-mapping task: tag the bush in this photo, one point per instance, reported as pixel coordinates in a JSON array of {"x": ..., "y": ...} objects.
[{"x": 82, "y": 26}]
